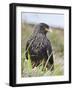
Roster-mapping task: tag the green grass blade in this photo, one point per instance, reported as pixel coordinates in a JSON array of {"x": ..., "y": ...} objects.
[{"x": 29, "y": 64}]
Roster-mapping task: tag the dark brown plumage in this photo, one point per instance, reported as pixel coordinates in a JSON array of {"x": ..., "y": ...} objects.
[{"x": 39, "y": 47}]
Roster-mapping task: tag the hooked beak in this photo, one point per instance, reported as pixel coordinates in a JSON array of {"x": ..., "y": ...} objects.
[{"x": 48, "y": 30}]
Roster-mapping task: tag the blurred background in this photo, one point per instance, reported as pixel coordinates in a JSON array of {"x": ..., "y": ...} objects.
[{"x": 56, "y": 22}]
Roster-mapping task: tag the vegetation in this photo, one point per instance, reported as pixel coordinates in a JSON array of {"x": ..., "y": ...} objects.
[{"x": 57, "y": 41}]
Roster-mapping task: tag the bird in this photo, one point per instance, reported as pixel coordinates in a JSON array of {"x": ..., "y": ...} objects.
[{"x": 39, "y": 47}]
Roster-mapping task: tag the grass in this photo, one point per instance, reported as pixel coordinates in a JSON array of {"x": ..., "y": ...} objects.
[
  {"x": 37, "y": 71},
  {"x": 57, "y": 41}
]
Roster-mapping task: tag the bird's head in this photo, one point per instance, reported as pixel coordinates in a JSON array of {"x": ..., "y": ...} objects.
[{"x": 43, "y": 28}]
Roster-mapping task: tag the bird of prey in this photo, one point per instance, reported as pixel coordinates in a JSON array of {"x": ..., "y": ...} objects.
[{"x": 39, "y": 47}]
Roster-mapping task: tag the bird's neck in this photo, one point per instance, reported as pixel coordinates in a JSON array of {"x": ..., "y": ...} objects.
[{"x": 41, "y": 35}]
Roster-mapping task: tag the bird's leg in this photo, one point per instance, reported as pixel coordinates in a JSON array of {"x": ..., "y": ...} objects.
[
  {"x": 33, "y": 64},
  {"x": 50, "y": 66}
]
